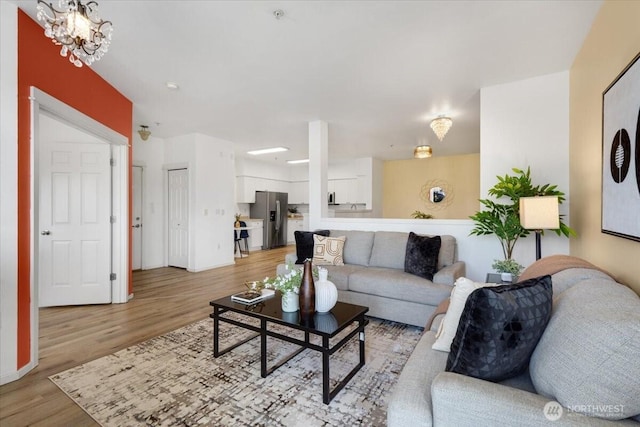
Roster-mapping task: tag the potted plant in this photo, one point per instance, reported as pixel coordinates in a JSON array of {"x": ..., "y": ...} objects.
[
  {"x": 421, "y": 215},
  {"x": 289, "y": 285},
  {"x": 503, "y": 219},
  {"x": 508, "y": 269}
]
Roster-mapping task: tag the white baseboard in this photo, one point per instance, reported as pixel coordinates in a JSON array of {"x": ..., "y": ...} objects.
[{"x": 16, "y": 375}]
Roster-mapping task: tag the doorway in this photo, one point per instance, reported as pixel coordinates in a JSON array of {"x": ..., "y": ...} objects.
[
  {"x": 178, "y": 218},
  {"x": 42, "y": 102},
  {"x": 136, "y": 218},
  {"x": 74, "y": 215}
]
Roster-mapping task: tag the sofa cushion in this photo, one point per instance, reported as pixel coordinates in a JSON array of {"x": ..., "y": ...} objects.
[
  {"x": 339, "y": 274},
  {"x": 588, "y": 356},
  {"x": 328, "y": 250},
  {"x": 499, "y": 329},
  {"x": 357, "y": 247},
  {"x": 421, "y": 255},
  {"x": 304, "y": 243},
  {"x": 449, "y": 326},
  {"x": 396, "y": 284},
  {"x": 447, "y": 255},
  {"x": 389, "y": 248}
]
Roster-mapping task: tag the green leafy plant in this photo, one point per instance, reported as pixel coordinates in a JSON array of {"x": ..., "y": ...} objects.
[
  {"x": 421, "y": 215},
  {"x": 503, "y": 219},
  {"x": 507, "y": 266},
  {"x": 289, "y": 282}
]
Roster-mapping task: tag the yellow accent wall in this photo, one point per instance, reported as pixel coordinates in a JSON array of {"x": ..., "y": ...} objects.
[
  {"x": 613, "y": 41},
  {"x": 403, "y": 181}
]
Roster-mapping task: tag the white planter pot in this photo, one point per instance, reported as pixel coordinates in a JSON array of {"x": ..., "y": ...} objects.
[
  {"x": 326, "y": 292},
  {"x": 290, "y": 302}
]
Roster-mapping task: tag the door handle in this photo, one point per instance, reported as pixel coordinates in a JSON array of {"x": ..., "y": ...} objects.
[
  {"x": 136, "y": 226},
  {"x": 45, "y": 232}
]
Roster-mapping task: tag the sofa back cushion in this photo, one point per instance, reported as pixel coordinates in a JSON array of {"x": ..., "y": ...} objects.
[
  {"x": 357, "y": 245},
  {"x": 389, "y": 249},
  {"x": 587, "y": 358},
  {"x": 447, "y": 255}
]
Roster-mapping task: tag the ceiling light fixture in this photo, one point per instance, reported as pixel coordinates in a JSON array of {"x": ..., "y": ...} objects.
[
  {"x": 144, "y": 132},
  {"x": 77, "y": 28},
  {"x": 173, "y": 86},
  {"x": 422, "y": 152},
  {"x": 267, "y": 151},
  {"x": 295, "y": 162},
  {"x": 441, "y": 126},
  {"x": 278, "y": 13}
]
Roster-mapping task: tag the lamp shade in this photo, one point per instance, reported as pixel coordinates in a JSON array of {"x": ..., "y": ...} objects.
[{"x": 538, "y": 213}]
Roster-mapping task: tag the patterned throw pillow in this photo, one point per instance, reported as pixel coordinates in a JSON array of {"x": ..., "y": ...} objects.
[
  {"x": 499, "y": 329},
  {"x": 449, "y": 325},
  {"x": 328, "y": 250},
  {"x": 421, "y": 255},
  {"x": 304, "y": 243}
]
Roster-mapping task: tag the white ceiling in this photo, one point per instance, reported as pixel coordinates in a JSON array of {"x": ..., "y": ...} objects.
[{"x": 376, "y": 71}]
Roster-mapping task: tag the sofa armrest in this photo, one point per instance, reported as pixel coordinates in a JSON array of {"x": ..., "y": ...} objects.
[
  {"x": 410, "y": 401},
  {"x": 462, "y": 401},
  {"x": 448, "y": 275}
]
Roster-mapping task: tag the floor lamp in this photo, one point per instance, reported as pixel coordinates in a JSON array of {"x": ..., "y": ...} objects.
[{"x": 539, "y": 213}]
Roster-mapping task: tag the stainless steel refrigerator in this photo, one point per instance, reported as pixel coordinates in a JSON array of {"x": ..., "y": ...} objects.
[{"x": 272, "y": 208}]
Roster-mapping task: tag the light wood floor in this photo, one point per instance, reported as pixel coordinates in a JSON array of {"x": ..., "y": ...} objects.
[{"x": 164, "y": 299}]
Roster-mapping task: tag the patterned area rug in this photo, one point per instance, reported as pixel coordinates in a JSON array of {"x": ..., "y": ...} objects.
[{"x": 173, "y": 379}]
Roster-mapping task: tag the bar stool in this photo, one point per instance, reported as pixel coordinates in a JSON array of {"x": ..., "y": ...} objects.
[{"x": 244, "y": 235}]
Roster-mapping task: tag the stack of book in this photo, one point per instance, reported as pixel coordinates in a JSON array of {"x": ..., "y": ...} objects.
[{"x": 252, "y": 297}]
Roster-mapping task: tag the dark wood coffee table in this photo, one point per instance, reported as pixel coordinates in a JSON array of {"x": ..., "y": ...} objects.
[{"x": 325, "y": 325}]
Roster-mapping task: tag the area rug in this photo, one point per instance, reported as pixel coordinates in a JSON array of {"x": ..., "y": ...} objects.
[{"x": 174, "y": 379}]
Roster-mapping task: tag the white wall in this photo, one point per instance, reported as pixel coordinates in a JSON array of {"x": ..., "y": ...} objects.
[
  {"x": 214, "y": 206},
  {"x": 526, "y": 124},
  {"x": 211, "y": 197},
  {"x": 8, "y": 189}
]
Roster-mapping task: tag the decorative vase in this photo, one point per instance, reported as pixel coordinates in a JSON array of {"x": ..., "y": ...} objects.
[
  {"x": 506, "y": 277},
  {"x": 326, "y": 292},
  {"x": 289, "y": 302},
  {"x": 236, "y": 224},
  {"x": 307, "y": 293}
]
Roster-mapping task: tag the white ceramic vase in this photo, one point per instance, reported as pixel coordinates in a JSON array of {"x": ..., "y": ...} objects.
[
  {"x": 290, "y": 302},
  {"x": 326, "y": 292}
]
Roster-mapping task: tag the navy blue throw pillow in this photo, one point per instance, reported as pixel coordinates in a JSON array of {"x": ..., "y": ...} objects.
[
  {"x": 304, "y": 243},
  {"x": 421, "y": 256},
  {"x": 499, "y": 329}
]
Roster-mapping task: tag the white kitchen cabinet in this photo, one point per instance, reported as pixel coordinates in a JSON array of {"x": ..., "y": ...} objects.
[
  {"x": 299, "y": 192},
  {"x": 255, "y": 234},
  {"x": 293, "y": 225},
  {"x": 346, "y": 190},
  {"x": 246, "y": 187}
]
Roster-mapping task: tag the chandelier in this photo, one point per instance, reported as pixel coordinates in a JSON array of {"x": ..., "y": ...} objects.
[
  {"x": 77, "y": 28},
  {"x": 144, "y": 132},
  {"x": 441, "y": 126},
  {"x": 422, "y": 152}
]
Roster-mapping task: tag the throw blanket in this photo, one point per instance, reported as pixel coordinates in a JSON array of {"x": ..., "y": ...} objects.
[{"x": 555, "y": 263}]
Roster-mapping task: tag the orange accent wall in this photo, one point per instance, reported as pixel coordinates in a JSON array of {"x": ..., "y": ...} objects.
[{"x": 40, "y": 65}]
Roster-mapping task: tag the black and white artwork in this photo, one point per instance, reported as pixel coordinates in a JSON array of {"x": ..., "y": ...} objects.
[{"x": 621, "y": 154}]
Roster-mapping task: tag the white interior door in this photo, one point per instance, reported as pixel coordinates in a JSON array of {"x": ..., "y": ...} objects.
[
  {"x": 74, "y": 221},
  {"x": 136, "y": 219},
  {"x": 178, "y": 218}
]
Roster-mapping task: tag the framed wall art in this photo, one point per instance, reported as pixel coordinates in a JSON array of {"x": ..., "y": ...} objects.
[{"x": 621, "y": 154}]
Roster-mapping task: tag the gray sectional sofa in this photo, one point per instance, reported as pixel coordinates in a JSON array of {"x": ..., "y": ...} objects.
[
  {"x": 374, "y": 276},
  {"x": 588, "y": 360}
]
